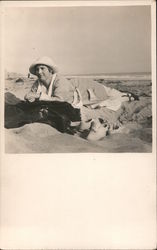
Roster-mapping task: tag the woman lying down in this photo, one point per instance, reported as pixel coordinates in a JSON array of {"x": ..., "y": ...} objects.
[{"x": 99, "y": 105}]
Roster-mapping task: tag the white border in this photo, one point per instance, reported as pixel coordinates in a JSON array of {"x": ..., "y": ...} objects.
[
  {"x": 28, "y": 170},
  {"x": 75, "y": 3},
  {"x": 153, "y": 66}
]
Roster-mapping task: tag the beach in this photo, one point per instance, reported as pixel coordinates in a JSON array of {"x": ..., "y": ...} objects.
[{"x": 135, "y": 135}]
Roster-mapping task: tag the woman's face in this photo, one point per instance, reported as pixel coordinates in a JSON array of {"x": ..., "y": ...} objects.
[{"x": 43, "y": 73}]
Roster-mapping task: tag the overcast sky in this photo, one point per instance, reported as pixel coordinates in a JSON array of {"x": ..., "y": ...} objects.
[{"x": 81, "y": 40}]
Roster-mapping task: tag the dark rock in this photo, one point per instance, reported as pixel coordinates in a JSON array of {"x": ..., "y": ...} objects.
[{"x": 19, "y": 80}]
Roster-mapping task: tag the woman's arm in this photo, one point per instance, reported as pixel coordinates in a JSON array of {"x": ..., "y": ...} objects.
[
  {"x": 32, "y": 95},
  {"x": 61, "y": 91},
  {"x": 45, "y": 97}
]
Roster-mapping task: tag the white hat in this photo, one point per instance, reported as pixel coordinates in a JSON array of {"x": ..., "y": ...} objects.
[{"x": 43, "y": 61}]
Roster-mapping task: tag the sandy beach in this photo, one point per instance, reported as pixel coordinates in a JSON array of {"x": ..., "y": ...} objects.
[{"x": 134, "y": 136}]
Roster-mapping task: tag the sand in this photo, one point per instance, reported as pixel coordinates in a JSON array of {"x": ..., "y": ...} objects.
[{"x": 134, "y": 136}]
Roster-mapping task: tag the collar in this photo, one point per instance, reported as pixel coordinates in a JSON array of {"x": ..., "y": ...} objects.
[{"x": 51, "y": 85}]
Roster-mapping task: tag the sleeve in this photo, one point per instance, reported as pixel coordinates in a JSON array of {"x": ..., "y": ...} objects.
[
  {"x": 63, "y": 90},
  {"x": 45, "y": 97}
]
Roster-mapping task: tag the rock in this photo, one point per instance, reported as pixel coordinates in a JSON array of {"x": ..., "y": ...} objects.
[{"x": 19, "y": 80}]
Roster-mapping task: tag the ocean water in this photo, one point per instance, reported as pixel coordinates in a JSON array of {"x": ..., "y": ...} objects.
[{"x": 116, "y": 76}]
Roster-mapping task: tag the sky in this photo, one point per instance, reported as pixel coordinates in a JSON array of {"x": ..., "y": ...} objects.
[{"x": 81, "y": 40}]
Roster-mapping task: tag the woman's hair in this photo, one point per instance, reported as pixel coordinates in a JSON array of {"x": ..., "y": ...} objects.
[{"x": 50, "y": 69}]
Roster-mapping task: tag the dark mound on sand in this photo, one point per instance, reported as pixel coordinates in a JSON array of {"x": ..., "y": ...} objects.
[
  {"x": 19, "y": 80},
  {"x": 57, "y": 114}
]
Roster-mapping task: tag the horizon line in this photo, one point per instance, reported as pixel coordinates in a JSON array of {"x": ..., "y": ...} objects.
[
  {"x": 89, "y": 74},
  {"x": 147, "y": 76}
]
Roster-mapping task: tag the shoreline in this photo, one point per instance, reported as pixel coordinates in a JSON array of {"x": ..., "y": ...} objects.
[{"x": 127, "y": 77}]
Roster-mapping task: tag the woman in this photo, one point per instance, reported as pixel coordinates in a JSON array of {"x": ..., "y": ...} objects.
[{"x": 86, "y": 94}]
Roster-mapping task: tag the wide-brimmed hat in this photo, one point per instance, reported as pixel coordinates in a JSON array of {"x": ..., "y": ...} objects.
[{"x": 43, "y": 61}]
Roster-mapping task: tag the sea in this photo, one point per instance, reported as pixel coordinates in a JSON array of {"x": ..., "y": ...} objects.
[{"x": 116, "y": 76}]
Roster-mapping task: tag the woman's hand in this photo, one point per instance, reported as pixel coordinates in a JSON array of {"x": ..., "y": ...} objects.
[{"x": 32, "y": 96}]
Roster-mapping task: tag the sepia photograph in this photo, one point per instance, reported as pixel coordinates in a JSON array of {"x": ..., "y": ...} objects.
[
  {"x": 78, "y": 79},
  {"x": 78, "y": 125}
]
